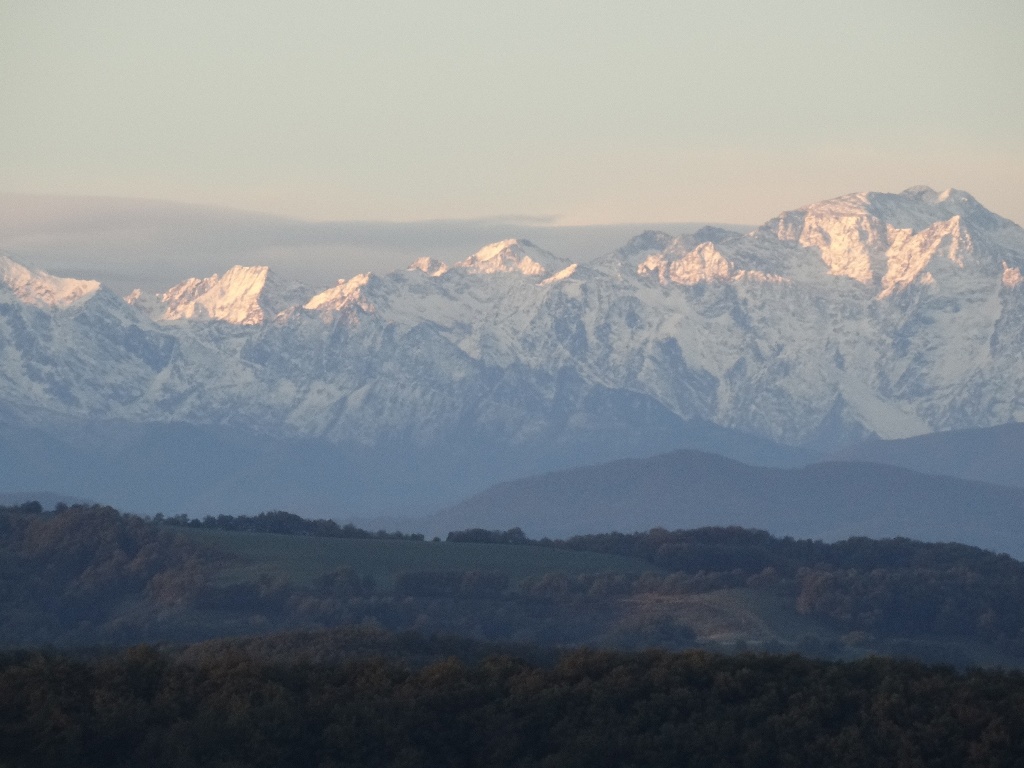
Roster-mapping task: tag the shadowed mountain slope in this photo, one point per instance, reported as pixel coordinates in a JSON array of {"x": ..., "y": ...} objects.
[
  {"x": 689, "y": 489},
  {"x": 205, "y": 470},
  {"x": 990, "y": 455}
]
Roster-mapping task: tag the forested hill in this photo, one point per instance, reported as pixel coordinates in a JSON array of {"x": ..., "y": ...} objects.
[{"x": 91, "y": 575}]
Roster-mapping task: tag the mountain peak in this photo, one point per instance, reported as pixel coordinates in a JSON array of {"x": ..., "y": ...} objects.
[
  {"x": 885, "y": 239},
  {"x": 929, "y": 196},
  {"x": 650, "y": 240},
  {"x": 918, "y": 208},
  {"x": 921, "y": 192},
  {"x": 344, "y": 294},
  {"x": 428, "y": 266},
  {"x": 241, "y": 296},
  {"x": 42, "y": 289},
  {"x": 712, "y": 234},
  {"x": 515, "y": 255}
]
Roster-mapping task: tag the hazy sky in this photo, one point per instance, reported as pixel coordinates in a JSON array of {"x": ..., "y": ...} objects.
[{"x": 592, "y": 112}]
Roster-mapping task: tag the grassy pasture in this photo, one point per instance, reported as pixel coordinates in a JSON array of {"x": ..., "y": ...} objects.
[{"x": 301, "y": 559}]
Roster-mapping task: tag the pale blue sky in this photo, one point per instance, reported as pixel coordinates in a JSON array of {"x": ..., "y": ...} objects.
[{"x": 593, "y": 112}]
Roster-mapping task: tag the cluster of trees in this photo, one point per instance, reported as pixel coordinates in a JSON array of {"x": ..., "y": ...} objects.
[
  {"x": 28, "y": 508},
  {"x": 878, "y": 588},
  {"x": 340, "y": 645},
  {"x": 227, "y": 706},
  {"x": 751, "y": 551},
  {"x": 484, "y": 536},
  {"x": 75, "y": 575},
  {"x": 452, "y": 584},
  {"x": 917, "y": 602},
  {"x": 282, "y": 522}
]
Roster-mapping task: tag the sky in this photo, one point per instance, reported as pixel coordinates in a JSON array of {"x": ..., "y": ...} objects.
[{"x": 573, "y": 113}]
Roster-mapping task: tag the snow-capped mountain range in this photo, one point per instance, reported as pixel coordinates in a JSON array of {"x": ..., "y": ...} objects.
[{"x": 871, "y": 314}]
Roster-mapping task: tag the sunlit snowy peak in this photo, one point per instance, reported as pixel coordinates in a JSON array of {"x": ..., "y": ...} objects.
[
  {"x": 520, "y": 256},
  {"x": 241, "y": 296},
  {"x": 41, "y": 289}
]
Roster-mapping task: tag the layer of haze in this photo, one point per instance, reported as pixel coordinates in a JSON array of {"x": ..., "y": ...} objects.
[
  {"x": 131, "y": 243},
  {"x": 593, "y": 113}
]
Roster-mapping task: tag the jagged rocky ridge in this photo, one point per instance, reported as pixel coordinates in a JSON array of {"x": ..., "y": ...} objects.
[{"x": 873, "y": 314}]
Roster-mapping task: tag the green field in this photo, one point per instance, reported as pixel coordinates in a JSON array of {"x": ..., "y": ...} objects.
[{"x": 301, "y": 559}]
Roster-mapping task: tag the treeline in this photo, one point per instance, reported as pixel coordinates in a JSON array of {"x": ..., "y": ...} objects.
[
  {"x": 229, "y": 706},
  {"x": 28, "y": 508},
  {"x": 751, "y": 551},
  {"x": 282, "y": 522},
  {"x": 340, "y": 645},
  {"x": 484, "y": 536},
  {"x": 87, "y": 575}
]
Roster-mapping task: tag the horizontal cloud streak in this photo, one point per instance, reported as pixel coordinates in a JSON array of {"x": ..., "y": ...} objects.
[{"x": 153, "y": 244}]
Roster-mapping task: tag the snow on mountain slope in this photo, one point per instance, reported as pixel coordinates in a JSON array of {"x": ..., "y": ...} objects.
[
  {"x": 346, "y": 293},
  {"x": 512, "y": 256},
  {"x": 41, "y": 289},
  {"x": 241, "y": 296},
  {"x": 887, "y": 239},
  {"x": 871, "y": 314},
  {"x": 77, "y": 354}
]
